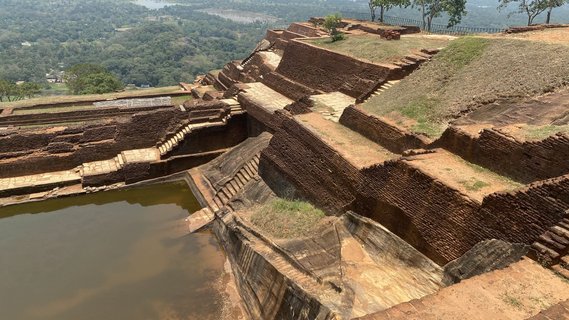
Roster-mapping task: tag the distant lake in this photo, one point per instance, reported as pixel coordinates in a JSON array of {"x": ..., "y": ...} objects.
[{"x": 153, "y": 4}]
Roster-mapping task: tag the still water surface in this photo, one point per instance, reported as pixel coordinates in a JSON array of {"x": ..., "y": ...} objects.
[
  {"x": 153, "y": 4},
  {"x": 110, "y": 255}
]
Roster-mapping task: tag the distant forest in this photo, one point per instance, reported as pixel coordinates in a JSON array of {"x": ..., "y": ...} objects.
[
  {"x": 161, "y": 47},
  {"x": 140, "y": 46}
]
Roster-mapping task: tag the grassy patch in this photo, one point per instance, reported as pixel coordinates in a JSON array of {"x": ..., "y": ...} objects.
[
  {"x": 474, "y": 184},
  {"x": 177, "y": 100},
  {"x": 421, "y": 110},
  {"x": 287, "y": 218},
  {"x": 511, "y": 300},
  {"x": 461, "y": 52},
  {"x": 542, "y": 132},
  {"x": 471, "y": 72},
  {"x": 373, "y": 48}
]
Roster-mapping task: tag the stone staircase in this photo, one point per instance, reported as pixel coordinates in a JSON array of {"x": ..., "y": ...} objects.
[
  {"x": 170, "y": 144},
  {"x": 234, "y": 106},
  {"x": 236, "y": 184},
  {"x": 115, "y": 164},
  {"x": 552, "y": 247},
  {"x": 382, "y": 88}
]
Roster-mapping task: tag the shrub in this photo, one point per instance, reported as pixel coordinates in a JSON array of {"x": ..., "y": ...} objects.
[{"x": 332, "y": 23}]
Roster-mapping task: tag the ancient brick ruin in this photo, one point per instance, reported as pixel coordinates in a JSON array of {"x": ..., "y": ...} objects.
[{"x": 286, "y": 122}]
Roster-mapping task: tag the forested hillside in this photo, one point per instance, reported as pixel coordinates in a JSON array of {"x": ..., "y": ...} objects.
[
  {"x": 141, "y": 46},
  {"x": 174, "y": 43}
]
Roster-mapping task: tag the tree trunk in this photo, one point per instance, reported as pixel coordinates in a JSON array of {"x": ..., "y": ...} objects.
[
  {"x": 372, "y": 11},
  {"x": 381, "y": 12},
  {"x": 423, "y": 15},
  {"x": 548, "y": 17},
  {"x": 429, "y": 22}
]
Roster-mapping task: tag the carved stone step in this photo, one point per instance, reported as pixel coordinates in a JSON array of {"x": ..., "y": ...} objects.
[
  {"x": 231, "y": 190},
  {"x": 241, "y": 179},
  {"x": 560, "y": 231},
  {"x": 234, "y": 185},
  {"x": 218, "y": 202},
  {"x": 551, "y": 243},
  {"x": 249, "y": 170},
  {"x": 245, "y": 175},
  {"x": 545, "y": 250},
  {"x": 561, "y": 271},
  {"x": 565, "y": 262},
  {"x": 238, "y": 181},
  {"x": 224, "y": 199}
]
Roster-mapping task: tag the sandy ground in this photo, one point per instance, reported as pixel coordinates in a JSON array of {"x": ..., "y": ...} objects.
[
  {"x": 471, "y": 180},
  {"x": 557, "y": 35}
]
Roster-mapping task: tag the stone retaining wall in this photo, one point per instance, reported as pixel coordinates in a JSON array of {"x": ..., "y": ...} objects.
[
  {"x": 266, "y": 293},
  {"x": 43, "y": 150},
  {"x": 287, "y": 87},
  {"x": 328, "y": 71},
  {"x": 388, "y": 136},
  {"x": 525, "y": 161},
  {"x": 316, "y": 170}
]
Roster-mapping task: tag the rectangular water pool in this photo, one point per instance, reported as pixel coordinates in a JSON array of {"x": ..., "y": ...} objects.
[{"x": 109, "y": 255}]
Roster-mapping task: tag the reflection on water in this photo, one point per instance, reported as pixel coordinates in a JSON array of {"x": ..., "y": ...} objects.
[
  {"x": 111, "y": 255},
  {"x": 153, "y": 4}
]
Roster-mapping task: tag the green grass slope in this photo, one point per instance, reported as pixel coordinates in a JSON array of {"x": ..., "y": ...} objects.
[{"x": 469, "y": 73}]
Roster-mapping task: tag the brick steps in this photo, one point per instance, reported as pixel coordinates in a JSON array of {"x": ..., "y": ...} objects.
[
  {"x": 385, "y": 86},
  {"x": 181, "y": 134},
  {"x": 235, "y": 185},
  {"x": 552, "y": 247}
]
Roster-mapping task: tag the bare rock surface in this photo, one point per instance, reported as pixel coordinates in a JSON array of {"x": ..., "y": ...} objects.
[{"x": 484, "y": 257}]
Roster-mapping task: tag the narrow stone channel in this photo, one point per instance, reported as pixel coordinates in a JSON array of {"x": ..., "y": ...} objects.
[{"x": 109, "y": 255}]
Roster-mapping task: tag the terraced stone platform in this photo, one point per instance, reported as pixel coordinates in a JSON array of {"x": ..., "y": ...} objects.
[
  {"x": 516, "y": 292},
  {"x": 331, "y": 105},
  {"x": 39, "y": 182},
  {"x": 270, "y": 58},
  {"x": 265, "y": 97},
  {"x": 474, "y": 181},
  {"x": 357, "y": 149}
]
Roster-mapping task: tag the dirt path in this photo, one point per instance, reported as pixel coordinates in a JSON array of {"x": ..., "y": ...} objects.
[{"x": 556, "y": 35}]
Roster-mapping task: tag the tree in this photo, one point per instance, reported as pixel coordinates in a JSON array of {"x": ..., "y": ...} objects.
[
  {"x": 29, "y": 89},
  {"x": 431, "y": 9},
  {"x": 90, "y": 78},
  {"x": 332, "y": 23},
  {"x": 551, "y": 4},
  {"x": 532, "y": 8},
  {"x": 10, "y": 91},
  {"x": 384, "y": 6},
  {"x": 372, "y": 4}
]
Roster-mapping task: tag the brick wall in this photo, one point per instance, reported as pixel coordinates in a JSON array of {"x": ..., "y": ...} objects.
[
  {"x": 525, "y": 161},
  {"x": 329, "y": 71},
  {"x": 380, "y": 132}
]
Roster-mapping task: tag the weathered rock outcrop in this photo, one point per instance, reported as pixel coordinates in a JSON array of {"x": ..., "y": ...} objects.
[{"x": 484, "y": 257}]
